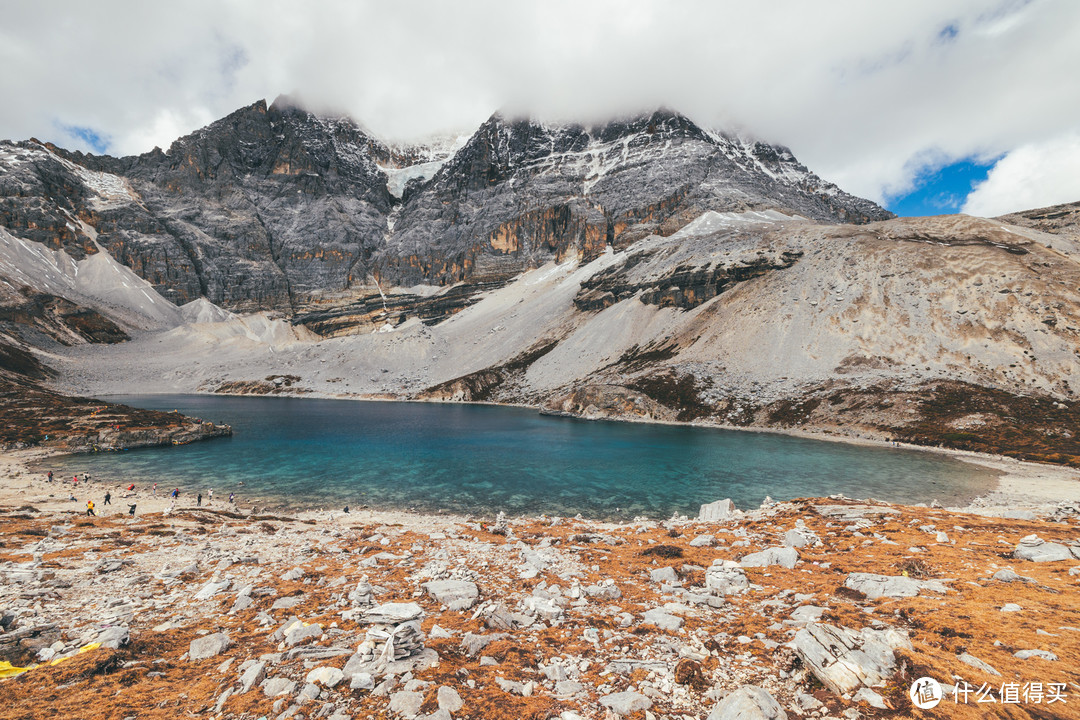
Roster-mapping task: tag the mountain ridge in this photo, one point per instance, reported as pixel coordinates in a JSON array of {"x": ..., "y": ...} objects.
[{"x": 275, "y": 208}]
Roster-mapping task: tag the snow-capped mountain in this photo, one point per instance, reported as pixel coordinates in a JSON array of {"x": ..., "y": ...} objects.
[{"x": 274, "y": 207}]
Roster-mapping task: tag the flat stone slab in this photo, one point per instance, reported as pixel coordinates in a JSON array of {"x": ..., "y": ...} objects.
[
  {"x": 455, "y": 594},
  {"x": 393, "y": 613},
  {"x": 782, "y": 556},
  {"x": 844, "y": 659},
  {"x": 208, "y": 646},
  {"x": 891, "y": 586}
]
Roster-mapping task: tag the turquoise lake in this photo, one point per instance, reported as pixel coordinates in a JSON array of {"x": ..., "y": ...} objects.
[{"x": 481, "y": 459}]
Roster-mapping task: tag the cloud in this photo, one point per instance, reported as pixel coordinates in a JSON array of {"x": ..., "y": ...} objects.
[
  {"x": 860, "y": 91},
  {"x": 1031, "y": 176}
]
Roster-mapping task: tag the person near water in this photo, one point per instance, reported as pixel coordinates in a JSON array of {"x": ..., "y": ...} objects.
[
  {"x": 346, "y": 508},
  {"x": 155, "y": 489},
  {"x": 75, "y": 480},
  {"x": 108, "y": 498},
  {"x": 50, "y": 476},
  {"x": 210, "y": 497},
  {"x": 175, "y": 493},
  {"x": 131, "y": 510},
  {"x": 198, "y": 501},
  {"x": 90, "y": 508},
  {"x": 232, "y": 498}
]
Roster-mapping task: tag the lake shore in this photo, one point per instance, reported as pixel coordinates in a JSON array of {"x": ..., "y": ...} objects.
[
  {"x": 1027, "y": 486},
  {"x": 206, "y": 611}
]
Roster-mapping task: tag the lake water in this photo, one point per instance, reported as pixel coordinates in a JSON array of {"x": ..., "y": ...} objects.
[{"x": 481, "y": 459}]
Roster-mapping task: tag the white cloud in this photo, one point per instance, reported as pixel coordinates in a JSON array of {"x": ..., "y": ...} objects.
[
  {"x": 1030, "y": 176},
  {"x": 858, "y": 90}
]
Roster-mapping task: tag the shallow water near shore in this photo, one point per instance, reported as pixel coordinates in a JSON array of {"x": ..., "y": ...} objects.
[{"x": 481, "y": 459}]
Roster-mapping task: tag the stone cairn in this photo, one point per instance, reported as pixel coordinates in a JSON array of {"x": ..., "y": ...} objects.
[{"x": 394, "y": 633}]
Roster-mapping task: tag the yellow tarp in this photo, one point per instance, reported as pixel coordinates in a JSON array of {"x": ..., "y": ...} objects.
[{"x": 8, "y": 670}]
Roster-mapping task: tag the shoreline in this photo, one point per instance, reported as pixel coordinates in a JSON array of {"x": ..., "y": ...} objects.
[{"x": 1014, "y": 479}]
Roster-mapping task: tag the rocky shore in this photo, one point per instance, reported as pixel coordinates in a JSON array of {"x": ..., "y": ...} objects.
[{"x": 818, "y": 608}]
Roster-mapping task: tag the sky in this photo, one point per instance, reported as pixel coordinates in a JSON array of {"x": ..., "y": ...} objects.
[{"x": 927, "y": 107}]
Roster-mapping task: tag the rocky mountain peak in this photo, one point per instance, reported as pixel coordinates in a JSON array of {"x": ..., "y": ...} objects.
[{"x": 278, "y": 207}]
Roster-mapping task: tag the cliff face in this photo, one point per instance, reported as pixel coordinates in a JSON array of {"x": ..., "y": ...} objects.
[
  {"x": 275, "y": 208},
  {"x": 520, "y": 193}
]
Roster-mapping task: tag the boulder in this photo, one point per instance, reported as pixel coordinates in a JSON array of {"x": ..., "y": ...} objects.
[
  {"x": 783, "y": 556},
  {"x": 703, "y": 541},
  {"x": 326, "y": 676},
  {"x": 844, "y": 659},
  {"x": 795, "y": 539},
  {"x": 406, "y": 703},
  {"x": 393, "y": 613},
  {"x": 473, "y": 643},
  {"x": 455, "y": 594},
  {"x": 1036, "y": 549},
  {"x": 749, "y": 702},
  {"x": 717, "y": 511},
  {"x": 113, "y": 637},
  {"x": 624, "y": 703},
  {"x": 664, "y": 574},
  {"x": 278, "y": 686},
  {"x": 303, "y": 634},
  {"x": 1042, "y": 654},
  {"x": 208, "y": 646},
  {"x": 252, "y": 676},
  {"x": 448, "y": 699},
  {"x": 662, "y": 619},
  {"x": 891, "y": 586}
]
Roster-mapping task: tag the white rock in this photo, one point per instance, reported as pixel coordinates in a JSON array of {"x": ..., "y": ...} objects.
[
  {"x": 783, "y": 556},
  {"x": 278, "y": 686},
  {"x": 844, "y": 660},
  {"x": 326, "y": 676},
  {"x": 455, "y": 594},
  {"x": 976, "y": 663},
  {"x": 1035, "y": 549},
  {"x": 208, "y": 646},
  {"x": 449, "y": 699},
  {"x": 892, "y": 586},
  {"x": 717, "y": 511},
  {"x": 749, "y": 702},
  {"x": 624, "y": 703},
  {"x": 870, "y": 697}
]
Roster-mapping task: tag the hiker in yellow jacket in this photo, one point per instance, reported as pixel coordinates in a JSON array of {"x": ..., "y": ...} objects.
[{"x": 90, "y": 508}]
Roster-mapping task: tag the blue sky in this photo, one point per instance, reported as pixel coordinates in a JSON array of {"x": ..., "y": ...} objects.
[{"x": 941, "y": 191}]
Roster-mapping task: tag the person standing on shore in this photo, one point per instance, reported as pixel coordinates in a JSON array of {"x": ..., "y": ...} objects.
[
  {"x": 131, "y": 510},
  {"x": 90, "y": 508},
  {"x": 50, "y": 476},
  {"x": 108, "y": 498},
  {"x": 155, "y": 489},
  {"x": 232, "y": 498},
  {"x": 198, "y": 501},
  {"x": 210, "y": 497}
]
